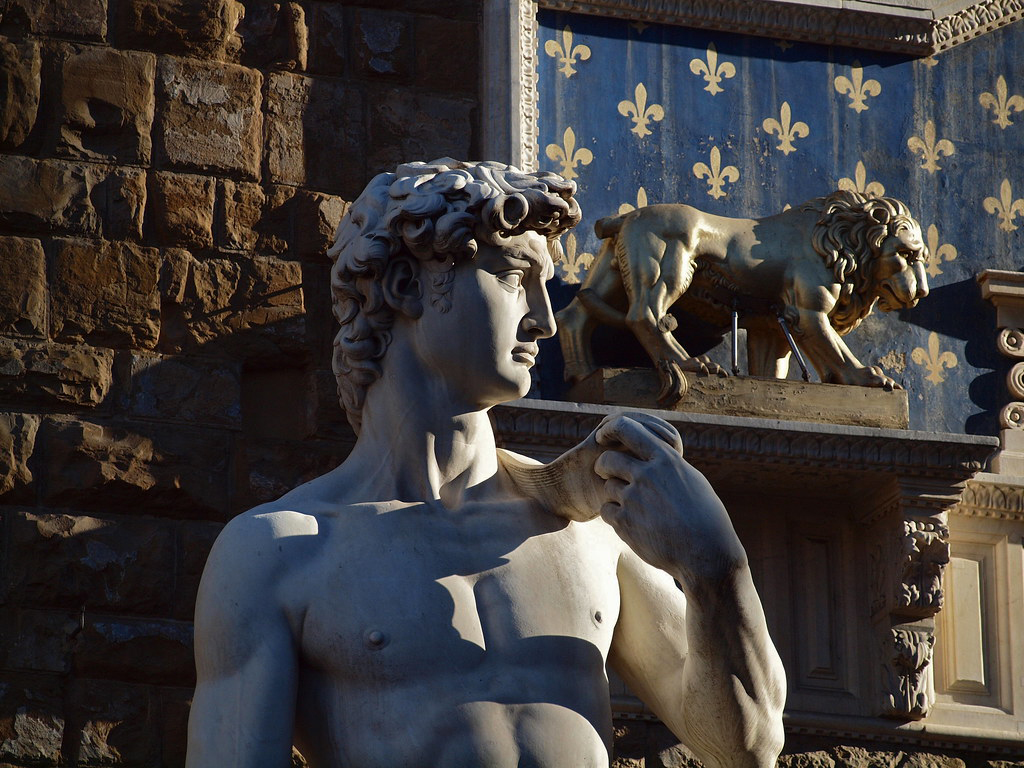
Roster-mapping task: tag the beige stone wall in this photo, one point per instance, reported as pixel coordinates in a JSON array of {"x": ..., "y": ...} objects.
[{"x": 170, "y": 176}]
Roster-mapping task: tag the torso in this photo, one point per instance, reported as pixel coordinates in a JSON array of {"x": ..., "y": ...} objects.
[{"x": 468, "y": 638}]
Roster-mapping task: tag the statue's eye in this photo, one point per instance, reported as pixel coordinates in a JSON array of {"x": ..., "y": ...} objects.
[{"x": 513, "y": 279}]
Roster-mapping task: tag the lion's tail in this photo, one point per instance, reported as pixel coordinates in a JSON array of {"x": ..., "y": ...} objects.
[{"x": 609, "y": 226}]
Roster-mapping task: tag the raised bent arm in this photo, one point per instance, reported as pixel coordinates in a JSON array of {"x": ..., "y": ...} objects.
[
  {"x": 704, "y": 662},
  {"x": 246, "y": 661}
]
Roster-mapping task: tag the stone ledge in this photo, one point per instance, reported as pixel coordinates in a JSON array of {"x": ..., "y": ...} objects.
[{"x": 751, "y": 396}]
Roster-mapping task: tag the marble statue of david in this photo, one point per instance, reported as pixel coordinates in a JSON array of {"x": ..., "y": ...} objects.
[{"x": 417, "y": 607}]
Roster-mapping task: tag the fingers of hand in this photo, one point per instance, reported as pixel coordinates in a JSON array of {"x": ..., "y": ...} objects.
[
  {"x": 665, "y": 431},
  {"x": 640, "y": 439},
  {"x": 615, "y": 464},
  {"x": 615, "y": 490}
]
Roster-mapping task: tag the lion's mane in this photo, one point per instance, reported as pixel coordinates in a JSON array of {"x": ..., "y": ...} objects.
[{"x": 850, "y": 230}]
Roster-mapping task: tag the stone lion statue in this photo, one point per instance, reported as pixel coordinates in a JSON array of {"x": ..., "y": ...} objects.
[{"x": 821, "y": 266}]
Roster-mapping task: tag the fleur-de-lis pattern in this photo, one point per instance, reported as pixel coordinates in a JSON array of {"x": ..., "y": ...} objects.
[
  {"x": 566, "y": 53},
  {"x": 713, "y": 70},
  {"x": 857, "y": 88},
  {"x": 567, "y": 155},
  {"x": 716, "y": 175},
  {"x": 937, "y": 252},
  {"x": 929, "y": 148},
  {"x": 786, "y": 130},
  {"x": 1004, "y": 206},
  {"x": 641, "y": 202},
  {"x": 640, "y": 112},
  {"x": 574, "y": 264},
  {"x": 877, "y": 125},
  {"x": 860, "y": 183},
  {"x": 934, "y": 359},
  {"x": 1001, "y": 103}
]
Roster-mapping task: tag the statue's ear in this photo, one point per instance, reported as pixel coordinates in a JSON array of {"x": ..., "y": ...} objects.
[{"x": 403, "y": 286}]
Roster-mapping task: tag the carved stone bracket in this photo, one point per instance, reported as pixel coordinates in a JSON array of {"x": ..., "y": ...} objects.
[
  {"x": 1006, "y": 291},
  {"x": 907, "y": 685}
]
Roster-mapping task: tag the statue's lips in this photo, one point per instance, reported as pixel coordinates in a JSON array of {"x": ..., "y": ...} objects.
[{"x": 525, "y": 355}]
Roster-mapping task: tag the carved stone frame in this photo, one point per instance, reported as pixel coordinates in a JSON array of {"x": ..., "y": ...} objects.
[{"x": 508, "y": 84}]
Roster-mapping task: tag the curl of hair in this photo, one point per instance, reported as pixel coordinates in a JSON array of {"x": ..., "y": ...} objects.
[
  {"x": 435, "y": 212},
  {"x": 848, "y": 235}
]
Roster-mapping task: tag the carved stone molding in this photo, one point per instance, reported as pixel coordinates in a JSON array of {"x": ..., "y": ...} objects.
[
  {"x": 878, "y": 26},
  {"x": 990, "y": 495},
  {"x": 1005, "y": 290},
  {"x": 906, "y": 671},
  {"x": 1010, "y": 342},
  {"x": 926, "y": 555}
]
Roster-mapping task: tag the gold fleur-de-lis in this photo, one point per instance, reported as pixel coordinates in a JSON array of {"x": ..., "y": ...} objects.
[
  {"x": 568, "y": 155},
  {"x": 929, "y": 148},
  {"x": 783, "y": 44},
  {"x": 716, "y": 175},
  {"x": 860, "y": 183},
  {"x": 786, "y": 132},
  {"x": 712, "y": 70},
  {"x": 639, "y": 26},
  {"x": 933, "y": 359},
  {"x": 565, "y": 53},
  {"x": 937, "y": 252},
  {"x": 641, "y": 201},
  {"x": 929, "y": 61},
  {"x": 857, "y": 87},
  {"x": 1001, "y": 105},
  {"x": 1005, "y": 206},
  {"x": 641, "y": 113},
  {"x": 575, "y": 265}
]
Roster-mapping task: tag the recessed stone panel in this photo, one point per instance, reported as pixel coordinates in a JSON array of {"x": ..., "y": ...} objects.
[
  {"x": 104, "y": 294},
  {"x": 208, "y": 116},
  {"x": 107, "y": 104},
  {"x": 19, "y": 86},
  {"x": 22, "y": 287}
]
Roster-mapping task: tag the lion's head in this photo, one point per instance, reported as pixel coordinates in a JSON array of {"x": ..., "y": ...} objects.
[{"x": 875, "y": 249}]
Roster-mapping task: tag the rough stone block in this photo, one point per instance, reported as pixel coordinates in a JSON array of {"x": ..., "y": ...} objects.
[
  {"x": 315, "y": 133},
  {"x": 299, "y": 222},
  {"x": 62, "y": 18},
  {"x": 104, "y": 293},
  {"x": 201, "y": 390},
  {"x": 17, "y": 443},
  {"x": 328, "y": 417},
  {"x": 38, "y": 641},
  {"x": 252, "y": 307},
  {"x": 19, "y": 90},
  {"x": 22, "y": 287},
  {"x": 106, "y": 104},
  {"x": 46, "y": 195},
  {"x": 49, "y": 375},
  {"x": 120, "y": 198},
  {"x": 328, "y": 39},
  {"x": 175, "y": 705},
  {"x": 208, "y": 116},
  {"x": 199, "y": 28},
  {"x": 409, "y": 123},
  {"x": 383, "y": 43},
  {"x": 77, "y": 562},
  {"x": 443, "y": 46},
  {"x": 197, "y": 537},
  {"x": 273, "y": 468},
  {"x": 146, "y": 467},
  {"x": 180, "y": 210},
  {"x": 114, "y": 723},
  {"x": 240, "y": 208},
  {"x": 31, "y": 719},
  {"x": 275, "y": 35},
  {"x": 135, "y": 650}
]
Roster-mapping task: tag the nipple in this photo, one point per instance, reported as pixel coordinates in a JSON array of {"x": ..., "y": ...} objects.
[{"x": 375, "y": 639}]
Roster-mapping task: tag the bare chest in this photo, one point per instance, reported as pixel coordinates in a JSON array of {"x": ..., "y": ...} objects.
[{"x": 408, "y": 596}]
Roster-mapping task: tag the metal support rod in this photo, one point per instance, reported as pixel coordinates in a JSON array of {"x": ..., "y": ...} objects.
[
  {"x": 792, "y": 346},
  {"x": 735, "y": 340}
]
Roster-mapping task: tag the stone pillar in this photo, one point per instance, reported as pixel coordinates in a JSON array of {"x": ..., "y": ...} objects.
[{"x": 1006, "y": 291}]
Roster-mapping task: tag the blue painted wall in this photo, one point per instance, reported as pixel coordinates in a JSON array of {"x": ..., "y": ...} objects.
[{"x": 921, "y": 130}]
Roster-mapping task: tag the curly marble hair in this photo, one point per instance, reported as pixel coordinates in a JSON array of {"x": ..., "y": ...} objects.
[{"x": 436, "y": 213}]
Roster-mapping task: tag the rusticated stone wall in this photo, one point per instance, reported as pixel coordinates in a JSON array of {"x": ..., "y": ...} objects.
[{"x": 170, "y": 175}]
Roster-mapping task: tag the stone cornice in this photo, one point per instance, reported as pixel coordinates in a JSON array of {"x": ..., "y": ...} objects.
[
  {"x": 917, "y": 31},
  {"x": 996, "y": 496},
  {"x": 552, "y": 427}
]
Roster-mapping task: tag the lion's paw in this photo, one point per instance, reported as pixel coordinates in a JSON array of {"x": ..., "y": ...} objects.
[
  {"x": 873, "y": 376},
  {"x": 673, "y": 383}
]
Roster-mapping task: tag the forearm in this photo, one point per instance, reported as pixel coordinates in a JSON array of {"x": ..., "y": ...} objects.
[{"x": 733, "y": 687}]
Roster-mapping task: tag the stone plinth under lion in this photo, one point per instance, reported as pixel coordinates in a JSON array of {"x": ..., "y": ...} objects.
[{"x": 436, "y": 601}]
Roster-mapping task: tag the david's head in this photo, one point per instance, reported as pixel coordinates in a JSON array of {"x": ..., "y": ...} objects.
[{"x": 408, "y": 231}]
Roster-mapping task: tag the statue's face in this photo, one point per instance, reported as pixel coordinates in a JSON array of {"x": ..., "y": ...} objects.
[{"x": 484, "y": 346}]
